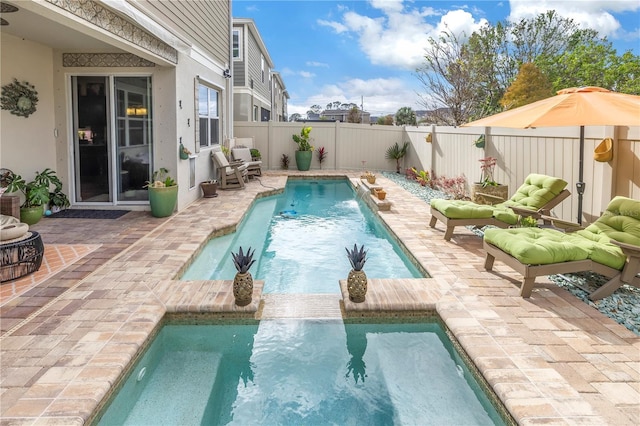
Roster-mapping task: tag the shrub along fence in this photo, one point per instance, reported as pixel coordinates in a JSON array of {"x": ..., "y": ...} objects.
[{"x": 452, "y": 151}]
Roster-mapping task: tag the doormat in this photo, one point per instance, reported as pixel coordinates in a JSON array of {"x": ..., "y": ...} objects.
[{"x": 89, "y": 214}]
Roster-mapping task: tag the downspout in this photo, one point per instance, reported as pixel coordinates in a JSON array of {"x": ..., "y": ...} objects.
[{"x": 229, "y": 82}]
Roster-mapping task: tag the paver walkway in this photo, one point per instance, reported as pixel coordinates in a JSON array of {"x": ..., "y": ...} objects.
[{"x": 551, "y": 359}]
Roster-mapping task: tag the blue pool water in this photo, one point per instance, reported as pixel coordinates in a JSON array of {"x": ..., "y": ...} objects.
[
  {"x": 301, "y": 372},
  {"x": 300, "y": 238}
]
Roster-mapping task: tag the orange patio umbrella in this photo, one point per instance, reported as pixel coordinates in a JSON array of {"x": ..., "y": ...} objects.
[{"x": 576, "y": 106}]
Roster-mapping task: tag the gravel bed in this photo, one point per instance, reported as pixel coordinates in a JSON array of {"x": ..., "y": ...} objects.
[{"x": 623, "y": 306}]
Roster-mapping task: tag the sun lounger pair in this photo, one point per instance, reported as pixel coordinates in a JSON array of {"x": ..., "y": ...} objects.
[
  {"x": 610, "y": 246},
  {"x": 536, "y": 197}
]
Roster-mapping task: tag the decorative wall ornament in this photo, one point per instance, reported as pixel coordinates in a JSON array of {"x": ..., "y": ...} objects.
[
  {"x": 101, "y": 17},
  {"x": 19, "y": 98},
  {"x": 104, "y": 60}
]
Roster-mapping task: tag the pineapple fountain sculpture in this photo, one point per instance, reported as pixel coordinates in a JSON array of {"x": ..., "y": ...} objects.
[
  {"x": 357, "y": 279},
  {"x": 243, "y": 281}
]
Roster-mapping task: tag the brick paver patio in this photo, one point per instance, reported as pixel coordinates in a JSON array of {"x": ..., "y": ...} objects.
[{"x": 551, "y": 359}]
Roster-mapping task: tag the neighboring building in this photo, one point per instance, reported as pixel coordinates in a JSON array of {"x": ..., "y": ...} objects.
[
  {"x": 119, "y": 86},
  {"x": 280, "y": 98},
  {"x": 343, "y": 115},
  {"x": 252, "y": 74}
]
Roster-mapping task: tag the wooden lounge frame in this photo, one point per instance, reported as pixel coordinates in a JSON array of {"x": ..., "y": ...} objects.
[
  {"x": 450, "y": 223},
  {"x": 628, "y": 274},
  {"x": 230, "y": 175}
]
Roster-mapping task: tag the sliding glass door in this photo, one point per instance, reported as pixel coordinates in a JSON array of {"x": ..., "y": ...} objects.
[{"x": 113, "y": 138}]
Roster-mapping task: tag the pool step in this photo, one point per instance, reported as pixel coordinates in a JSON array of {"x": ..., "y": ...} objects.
[{"x": 326, "y": 306}]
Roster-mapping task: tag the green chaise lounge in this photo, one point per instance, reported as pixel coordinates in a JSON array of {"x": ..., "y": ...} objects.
[
  {"x": 610, "y": 246},
  {"x": 536, "y": 197}
]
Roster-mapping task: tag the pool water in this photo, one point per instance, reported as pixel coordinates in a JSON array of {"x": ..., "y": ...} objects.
[
  {"x": 300, "y": 237},
  {"x": 294, "y": 372}
]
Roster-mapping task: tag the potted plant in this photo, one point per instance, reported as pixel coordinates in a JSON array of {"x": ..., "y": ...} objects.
[
  {"x": 487, "y": 190},
  {"x": 36, "y": 193},
  {"x": 163, "y": 193},
  {"x": 322, "y": 155},
  {"x": 284, "y": 162},
  {"x": 305, "y": 149},
  {"x": 255, "y": 154},
  {"x": 243, "y": 281},
  {"x": 357, "y": 279},
  {"x": 397, "y": 152},
  {"x": 369, "y": 177},
  {"x": 209, "y": 188},
  {"x": 58, "y": 200},
  {"x": 381, "y": 193}
]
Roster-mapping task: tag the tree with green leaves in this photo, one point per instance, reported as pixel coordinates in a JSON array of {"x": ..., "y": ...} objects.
[
  {"x": 529, "y": 86},
  {"x": 405, "y": 115},
  {"x": 387, "y": 120},
  {"x": 354, "y": 115},
  {"x": 466, "y": 80}
]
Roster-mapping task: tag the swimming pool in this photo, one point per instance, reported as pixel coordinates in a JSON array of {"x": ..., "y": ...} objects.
[
  {"x": 302, "y": 372},
  {"x": 300, "y": 238}
]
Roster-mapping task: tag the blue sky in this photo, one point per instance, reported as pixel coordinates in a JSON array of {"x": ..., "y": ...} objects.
[{"x": 366, "y": 51}]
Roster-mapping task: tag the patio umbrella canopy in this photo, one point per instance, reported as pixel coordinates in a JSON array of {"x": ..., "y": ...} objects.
[{"x": 581, "y": 106}]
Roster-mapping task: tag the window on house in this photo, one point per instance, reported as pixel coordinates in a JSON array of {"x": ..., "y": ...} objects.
[
  {"x": 237, "y": 44},
  {"x": 262, "y": 66},
  {"x": 255, "y": 113},
  {"x": 208, "y": 116}
]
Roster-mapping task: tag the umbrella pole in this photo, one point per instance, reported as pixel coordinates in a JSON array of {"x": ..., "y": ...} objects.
[{"x": 580, "y": 184}]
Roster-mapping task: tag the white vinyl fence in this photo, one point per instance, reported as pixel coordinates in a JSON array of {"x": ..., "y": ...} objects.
[{"x": 451, "y": 152}]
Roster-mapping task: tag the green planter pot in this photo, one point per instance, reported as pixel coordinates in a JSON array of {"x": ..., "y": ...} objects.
[
  {"x": 163, "y": 200},
  {"x": 303, "y": 160},
  {"x": 31, "y": 215}
]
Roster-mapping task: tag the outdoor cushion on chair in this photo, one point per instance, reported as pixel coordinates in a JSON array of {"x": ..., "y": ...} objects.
[
  {"x": 538, "y": 193},
  {"x": 610, "y": 246},
  {"x": 254, "y": 168}
]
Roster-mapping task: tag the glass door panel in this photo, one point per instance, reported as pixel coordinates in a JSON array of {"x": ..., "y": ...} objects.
[
  {"x": 91, "y": 146},
  {"x": 134, "y": 137}
]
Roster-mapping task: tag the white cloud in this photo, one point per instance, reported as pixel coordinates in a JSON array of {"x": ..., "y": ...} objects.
[
  {"x": 289, "y": 72},
  {"x": 316, "y": 64},
  {"x": 593, "y": 14},
  {"x": 398, "y": 38},
  {"x": 337, "y": 26}
]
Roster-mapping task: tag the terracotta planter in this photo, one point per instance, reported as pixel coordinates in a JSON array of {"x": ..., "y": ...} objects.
[
  {"x": 209, "y": 189},
  {"x": 381, "y": 194}
]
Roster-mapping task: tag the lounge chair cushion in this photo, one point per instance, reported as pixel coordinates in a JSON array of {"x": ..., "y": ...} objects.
[
  {"x": 460, "y": 209},
  {"x": 536, "y": 191},
  {"x": 244, "y": 154},
  {"x": 534, "y": 246}
]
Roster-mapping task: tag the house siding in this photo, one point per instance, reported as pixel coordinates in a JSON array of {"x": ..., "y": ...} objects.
[
  {"x": 204, "y": 23},
  {"x": 253, "y": 57}
]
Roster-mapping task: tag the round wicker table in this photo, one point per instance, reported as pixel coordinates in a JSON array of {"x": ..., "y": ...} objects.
[{"x": 21, "y": 257}]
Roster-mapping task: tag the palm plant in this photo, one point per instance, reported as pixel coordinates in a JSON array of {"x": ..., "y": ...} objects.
[{"x": 397, "y": 152}]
